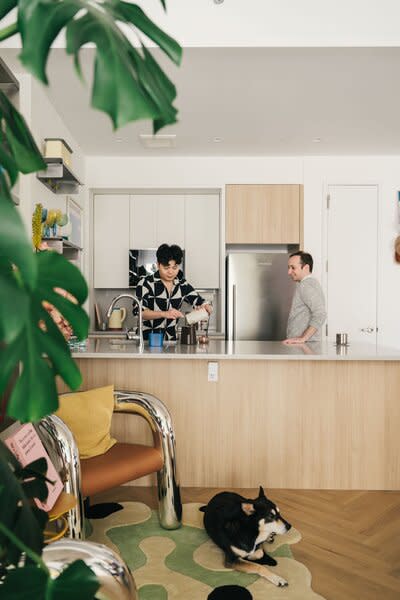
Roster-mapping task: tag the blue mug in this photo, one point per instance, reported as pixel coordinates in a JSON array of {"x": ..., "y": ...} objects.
[{"x": 156, "y": 338}]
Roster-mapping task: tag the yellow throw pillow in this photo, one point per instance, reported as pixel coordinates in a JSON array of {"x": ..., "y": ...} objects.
[{"x": 88, "y": 416}]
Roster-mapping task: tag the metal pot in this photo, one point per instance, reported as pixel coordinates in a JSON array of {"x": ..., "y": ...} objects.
[{"x": 188, "y": 335}]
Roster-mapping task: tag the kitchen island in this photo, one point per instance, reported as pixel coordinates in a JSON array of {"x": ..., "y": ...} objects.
[{"x": 313, "y": 416}]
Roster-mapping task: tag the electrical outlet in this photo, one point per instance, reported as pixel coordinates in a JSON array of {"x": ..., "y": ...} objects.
[{"x": 212, "y": 371}]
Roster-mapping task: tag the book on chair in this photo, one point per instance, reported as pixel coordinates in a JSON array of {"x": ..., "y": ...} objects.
[{"x": 25, "y": 444}]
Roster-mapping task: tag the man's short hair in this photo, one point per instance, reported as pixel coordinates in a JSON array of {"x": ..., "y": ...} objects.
[
  {"x": 305, "y": 258},
  {"x": 165, "y": 253}
]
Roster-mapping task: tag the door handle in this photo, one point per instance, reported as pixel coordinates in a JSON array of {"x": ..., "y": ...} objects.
[
  {"x": 367, "y": 329},
  {"x": 234, "y": 312}
]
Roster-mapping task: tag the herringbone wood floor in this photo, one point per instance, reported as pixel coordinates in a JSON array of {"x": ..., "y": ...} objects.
[{"x": 351, "y": 540}]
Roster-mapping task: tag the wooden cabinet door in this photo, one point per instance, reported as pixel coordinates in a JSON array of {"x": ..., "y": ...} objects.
[
  {"x": 111, "y": 241},
  {"x": 202, "y": 240},
  {"x": 263, "y": 214}
]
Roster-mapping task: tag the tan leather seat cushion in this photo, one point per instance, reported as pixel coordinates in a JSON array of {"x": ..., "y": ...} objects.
[{"x": 120, "y": 464}]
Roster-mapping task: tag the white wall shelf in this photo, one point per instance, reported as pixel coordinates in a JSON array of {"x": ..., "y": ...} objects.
[
  {"x": 58, "y": 177},
  {"x": 68, "y": 249}
]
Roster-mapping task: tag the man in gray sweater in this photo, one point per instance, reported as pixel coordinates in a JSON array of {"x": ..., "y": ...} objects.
[{"x": 307, "y": 314}]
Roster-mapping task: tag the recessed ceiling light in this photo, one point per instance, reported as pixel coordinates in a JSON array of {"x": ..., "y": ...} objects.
[
  {"x": 317, "y": 140},
  {"x": 217, "y": 140},
  {"x": 158, "y": 141}
]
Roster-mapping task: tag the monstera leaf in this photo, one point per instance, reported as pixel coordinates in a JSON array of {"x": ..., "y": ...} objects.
[
  {"x": 42, "y": 351},
  {"x": 21, "y": 533},
  {"x": 76, "y": 581},
  {"x": 16, "y": 509},
  {"x": 128, "y": 84},
  {"x": 6, "y": 6},
  {"x": 18, "y": 153}
]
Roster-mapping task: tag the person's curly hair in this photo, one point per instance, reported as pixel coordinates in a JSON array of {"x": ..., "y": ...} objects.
[{"x": 165, "y": 253}]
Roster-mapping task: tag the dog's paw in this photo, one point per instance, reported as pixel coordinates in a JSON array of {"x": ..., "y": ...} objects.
[{"x": 278, "y": 581}]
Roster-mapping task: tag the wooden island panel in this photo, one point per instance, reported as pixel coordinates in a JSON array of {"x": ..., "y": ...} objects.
[{"x": 278, "y": 423}]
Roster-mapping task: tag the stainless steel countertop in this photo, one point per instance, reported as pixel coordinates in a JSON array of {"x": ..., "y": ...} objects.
[{"x": 223, "y": 350}]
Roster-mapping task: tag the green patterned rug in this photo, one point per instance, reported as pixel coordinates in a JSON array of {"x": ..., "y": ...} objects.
[{"x": 185, "y": 565}]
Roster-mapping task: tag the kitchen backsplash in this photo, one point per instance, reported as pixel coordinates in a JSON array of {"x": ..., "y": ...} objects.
[{"x": 104, "y": 297}]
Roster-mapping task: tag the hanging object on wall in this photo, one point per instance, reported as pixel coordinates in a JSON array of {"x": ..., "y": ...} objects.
[{"x": 397, "y": 240}]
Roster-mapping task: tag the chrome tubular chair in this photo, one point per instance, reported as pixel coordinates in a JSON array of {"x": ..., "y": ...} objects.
[
  {"x": 120, "y": 464},
  {"x": 115, "y": 578}
]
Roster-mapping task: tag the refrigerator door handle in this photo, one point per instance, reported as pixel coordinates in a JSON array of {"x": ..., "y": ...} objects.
[{"x": 234, "y": 312}]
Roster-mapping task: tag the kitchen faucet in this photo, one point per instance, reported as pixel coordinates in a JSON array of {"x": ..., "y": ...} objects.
[{"x": 129, "y": 334}]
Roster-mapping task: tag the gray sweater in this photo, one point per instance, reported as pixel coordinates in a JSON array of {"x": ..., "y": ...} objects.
[{"x": 308, "y": 309}]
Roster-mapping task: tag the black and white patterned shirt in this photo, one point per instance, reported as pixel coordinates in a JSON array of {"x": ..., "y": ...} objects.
[{"x": 154, "y": 296}]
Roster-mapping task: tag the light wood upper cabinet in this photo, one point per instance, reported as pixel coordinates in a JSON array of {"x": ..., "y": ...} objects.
[{"x": 264, "y": 214}]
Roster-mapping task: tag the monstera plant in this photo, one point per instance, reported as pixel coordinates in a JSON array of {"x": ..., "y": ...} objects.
[{"x": 128, "y": 84}]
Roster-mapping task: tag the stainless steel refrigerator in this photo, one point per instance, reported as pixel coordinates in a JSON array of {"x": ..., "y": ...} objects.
[{"x": 259, "y": 295}]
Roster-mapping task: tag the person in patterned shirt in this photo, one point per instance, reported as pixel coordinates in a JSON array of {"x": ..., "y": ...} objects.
[{"x": 163, "y": 293}]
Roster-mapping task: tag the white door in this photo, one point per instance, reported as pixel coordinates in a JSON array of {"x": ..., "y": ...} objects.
[{"x": 352, "y": 247}]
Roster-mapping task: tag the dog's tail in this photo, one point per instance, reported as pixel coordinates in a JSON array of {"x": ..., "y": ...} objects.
[{"x": 203, "y": 508}]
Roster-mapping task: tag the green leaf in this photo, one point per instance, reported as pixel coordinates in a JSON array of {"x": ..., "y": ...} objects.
[
  {"x": 131, "y": 13},
  {"x": 159, "y": 88},
  {"x": 5, "y": 190},
  {"x": 14, "y": 305},
  {"x": 116, "y": 90},
  {"x": 45, "y": 354},
  {"x": 16, "y": 512},
  {"x": 39, "y": 24},
  {"x": 9, "y": 359},
  {"x": 7, "y": 6},
  {"x": 36, "y": 489},
  {"x": 8, "y": 163},
  {"x": 118, "y": 87},
  {"x": 34, "y": 394},
  {"x": 76, "y": 581},
  {"x": 14, "y": 245},
  {"x": 25, "y": 583},
  {"x": 55, "y": 271},
  {"x": 20, "y": 144},
  {"x": 37, "y": 468}
]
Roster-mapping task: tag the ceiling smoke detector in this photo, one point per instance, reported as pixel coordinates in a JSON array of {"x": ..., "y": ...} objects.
[{"x": 158, "y": 141}]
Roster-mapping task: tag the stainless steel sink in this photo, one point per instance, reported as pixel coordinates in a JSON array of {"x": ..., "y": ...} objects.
[{"x": 107, "y": 334}]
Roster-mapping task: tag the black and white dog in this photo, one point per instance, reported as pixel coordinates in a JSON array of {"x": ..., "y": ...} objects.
[{"x": 240, "y": 526}]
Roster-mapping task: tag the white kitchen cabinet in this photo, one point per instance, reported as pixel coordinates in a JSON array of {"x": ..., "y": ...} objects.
[
  {"x": 111, "y": 241},
  {"x": 156, "y": 219},
  {"x": 202, "y": 240}
]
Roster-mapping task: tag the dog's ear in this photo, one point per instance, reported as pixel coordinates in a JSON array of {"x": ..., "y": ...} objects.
[
  {"x": 261, "y": 493},
  {"x": 248, "y": 508}
]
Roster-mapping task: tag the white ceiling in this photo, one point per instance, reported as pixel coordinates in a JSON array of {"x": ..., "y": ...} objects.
[{"x": 260, "y": 101}]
